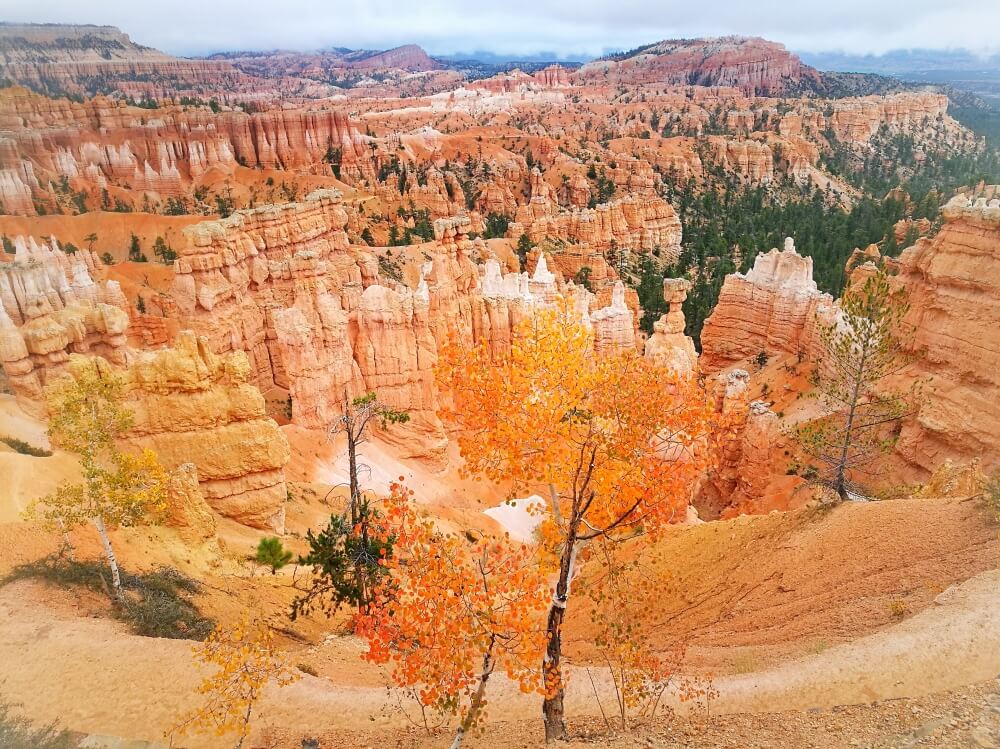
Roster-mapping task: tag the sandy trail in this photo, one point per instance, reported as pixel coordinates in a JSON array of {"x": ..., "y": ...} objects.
[{"x": 93, "y": 676}]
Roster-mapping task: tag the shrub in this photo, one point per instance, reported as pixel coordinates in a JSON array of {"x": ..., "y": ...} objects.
[
  {"x": 306, "y": 669},
  {"x": 991, "y": 496},
  {"x": 18, "y": 733},
  {"x": 20, "y": 446},
  {"x": 898, "y": 608}
]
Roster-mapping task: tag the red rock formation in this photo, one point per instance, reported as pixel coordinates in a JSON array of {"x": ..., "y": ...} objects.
[
  {"x": 772, "y": 308},
  {"x": 668, "y": 346},
  {"x": 101, "y": 142},
  {"x": 904, "y": 226},
  {"x": 628, "y": 223},
  {"x": 408, "y": 57},
  {"x": 614, "y": 325},
  {"x": 857, "y": 120},
  {"x": 953, "y": 282},
  {"x": 753, "y": 161},
  {"x": 60, "y": 59},
  {"x": 755, "y": 66},
  {"x": 50, "y": 307}
]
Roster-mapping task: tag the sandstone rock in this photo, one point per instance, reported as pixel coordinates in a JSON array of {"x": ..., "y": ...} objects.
[
  {"x": 50, "y": 307},
  {"x": 640, "y": 224},
  {"x": 614, "y": 330},
  {"x": 192, "y": 406},
  {"x": 754, "y": 66},
  {"x": 186, "y": 507},
  {"x": 101, "y": 142},
  {"x": 772, "y": 308},
  {"x": 668, "y": 346},
  {"x": 953, "y": 283}
]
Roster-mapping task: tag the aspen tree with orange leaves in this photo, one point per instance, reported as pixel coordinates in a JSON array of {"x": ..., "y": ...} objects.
[
  {"x": 451, "y": 610},
  {"x": 614, "y": 442}
]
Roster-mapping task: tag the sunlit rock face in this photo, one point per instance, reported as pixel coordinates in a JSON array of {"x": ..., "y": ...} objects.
[
  {"x": 773, "y": 308},
  {"x": 51, "y": 307},
  {"x": 193, "y": 406},
  {"x": 953, "y": 285}
]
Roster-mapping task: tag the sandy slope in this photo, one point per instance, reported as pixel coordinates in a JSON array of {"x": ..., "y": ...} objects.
[{"x": 93, "y": 676}]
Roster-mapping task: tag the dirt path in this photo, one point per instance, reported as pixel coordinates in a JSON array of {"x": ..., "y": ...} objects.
[{"x": 94, "y": 677}]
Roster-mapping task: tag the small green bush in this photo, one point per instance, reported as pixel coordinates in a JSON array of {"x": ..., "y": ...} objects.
[
  {"x": 991, "y": 496},
  {"x": 271, "y": 553},
  {"x": 307, "y": 669},
  {"x": 20, "y": 446}
]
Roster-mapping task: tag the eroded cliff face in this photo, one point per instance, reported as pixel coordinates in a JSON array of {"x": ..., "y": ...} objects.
[
  {"x": 636, "y": 223},
  {"x": 51, "y": 307},
  {"x": 953, "y": 283},
  {"x": 321, "y": 318},
  {"x": 194, "y": 406},
  {"x": 754, "y": 66},
  {"x": 102, "y": 143},
  {"x": 773, "y": 308}
]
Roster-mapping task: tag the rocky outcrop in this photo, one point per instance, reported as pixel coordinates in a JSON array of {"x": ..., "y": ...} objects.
[
  {"x": 187, "y": 509},
  {"x": 233, "y": 274},
  {"x": 753, "y": 161},
  {"x": 408, "y": 57},
  {"x": 754, "y": 66},
  {"x": 857, "y": 120},
  {"x": 743, "y": 476},
  {"x": 629, "y": 223},
  {"x": 61, "y": 58},
  {"x": 50, "y": 307},
  {"x": 953, "y": 284},
  {"x": 193, "y": 406},
  {"x": 668, "y": 347},
  {"x": 614, "y": 328},
  {"x": 773, "y": 308}
]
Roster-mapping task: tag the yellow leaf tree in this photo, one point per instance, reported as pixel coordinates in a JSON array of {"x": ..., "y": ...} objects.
[
  {"x": 451, "y": 610},
  {"x": 614, "y": 442},
  {"x": 86, "y": 417},
  {"x": 246, "y": 661}
]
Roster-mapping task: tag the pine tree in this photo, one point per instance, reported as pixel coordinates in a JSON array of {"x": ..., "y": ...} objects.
[
  {"x": 345, "y": 556},
  {"x": 861, "y": 349},
  {"x": 271, "y": 553}
]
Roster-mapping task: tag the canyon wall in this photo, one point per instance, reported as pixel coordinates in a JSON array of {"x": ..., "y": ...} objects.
[
  {"x": 636, "y": 223},
  {"x": 193, "y": 406},
  {"x": 754, "y": 66},
  {"x": 953, "y": 283},
  {"x": 102, "y": 143}
]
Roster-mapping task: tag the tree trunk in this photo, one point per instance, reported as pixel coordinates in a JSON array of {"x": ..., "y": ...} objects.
[
  {"x": 360, "y": 573},
  {"x": 841, "y": 480},
  {"x": 552, "y": 708},
  {"x": 109, "y": 552},
  {"x": 477, "y": 700}
]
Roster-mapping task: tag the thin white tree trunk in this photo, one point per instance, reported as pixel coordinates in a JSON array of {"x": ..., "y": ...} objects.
[
  {"x": 116, "y": 579},
  {"x": 477, "y": 700}
]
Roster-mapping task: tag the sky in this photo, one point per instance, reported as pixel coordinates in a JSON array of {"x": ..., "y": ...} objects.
[{"x": 568, "y": 27}]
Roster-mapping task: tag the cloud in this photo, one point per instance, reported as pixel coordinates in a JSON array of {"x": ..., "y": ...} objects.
[{"x": 526, "y": 26}]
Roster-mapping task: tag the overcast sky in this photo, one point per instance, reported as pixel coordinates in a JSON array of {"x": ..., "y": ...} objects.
[{"x": 186, "y": 27}]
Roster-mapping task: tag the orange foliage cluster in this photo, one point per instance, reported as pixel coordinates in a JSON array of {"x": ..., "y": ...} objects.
[{"x": 452, "y": 609}]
